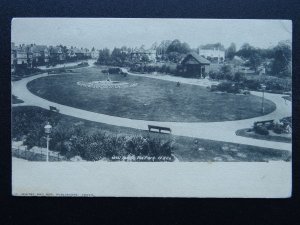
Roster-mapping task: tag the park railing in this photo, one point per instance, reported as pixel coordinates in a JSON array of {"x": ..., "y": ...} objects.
[{"x": 35, "y": 154}]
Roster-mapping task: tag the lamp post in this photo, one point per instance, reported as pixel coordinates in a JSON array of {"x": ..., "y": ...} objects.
[
  {"x": 263, "y": 87},
  {"x": 48, "y": 128}
]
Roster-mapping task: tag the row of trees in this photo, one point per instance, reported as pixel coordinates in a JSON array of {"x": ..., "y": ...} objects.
[
  {"x": 233, "y": 82},
  {"x": 277, "y": 59},
  {"x": 124, "y": 56}
]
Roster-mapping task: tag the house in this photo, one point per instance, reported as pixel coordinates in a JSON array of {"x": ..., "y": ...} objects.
[
  {"x": 42, "y": 52},
  {"x": 79, "y": 53},
  {"x": 56, "y": 54},
  {"x": 86, "y": 53},
  {"x": 138, "y": 54},
  {"x": 94, "y": 54},
  {"x": 71, "y": 54},
  {"x": 213, "y": 52},
  {"x": 194, "y": 65},
  {"x": 33, "y": 54},
  {"x": 261, "y": 70},
  {"x": 21, "y": 57},
  {"x": 13, "y": 57}
]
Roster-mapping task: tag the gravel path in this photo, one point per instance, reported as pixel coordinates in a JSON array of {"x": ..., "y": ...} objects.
[{"x": 218, "y": 131}]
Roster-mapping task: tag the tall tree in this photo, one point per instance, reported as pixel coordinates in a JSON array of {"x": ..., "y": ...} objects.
[
  {"x": 162, "y": 48},
  {"x": 246, "y": 51},
  {"x": 104, "y": 56},
  {"x": 177, "y": 46},
  {"x": 230, "y": 51},
  {"x": 281, "y": 65},
  {"x": 254, "y": 61}
]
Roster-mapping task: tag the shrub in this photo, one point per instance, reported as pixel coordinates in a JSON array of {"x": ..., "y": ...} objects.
[
  {"x": 135, "y": 145},
  {"x": 261, "y": 130},
  {"x": 229, "y": 87},
  {"x": 278, "y": 128},
  {"x": 156, "y": 147},
  {"x": 114, "y": 70},
  {"x": 275, "y": 85},
  {"x": 213, "y": 88},
  {"x": 238, "y": 76},
  {"x": 287, "y": 120},
  {"x": 229, "y": 76},
  {"x": 252, "y": 84},
  {"x": 27, "y": 121},
  {"x": 212, "y": 75},
  {"x": 224, "y": 86},
  {"x": 226, "y": 70}
]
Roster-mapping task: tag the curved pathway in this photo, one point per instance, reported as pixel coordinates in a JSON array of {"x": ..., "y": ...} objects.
[{"x": 218, "y": 131}]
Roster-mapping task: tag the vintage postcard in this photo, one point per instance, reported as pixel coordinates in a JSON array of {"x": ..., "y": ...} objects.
[{"x": 151, "y": 107}]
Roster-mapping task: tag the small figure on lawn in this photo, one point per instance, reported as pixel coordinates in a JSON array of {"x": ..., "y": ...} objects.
[{"x": 178, "y": 84}]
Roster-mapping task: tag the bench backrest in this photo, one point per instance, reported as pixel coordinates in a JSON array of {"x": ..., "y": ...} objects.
[
  {"x": 263, "y": 122},
  {"x": 158, "y": 127}
]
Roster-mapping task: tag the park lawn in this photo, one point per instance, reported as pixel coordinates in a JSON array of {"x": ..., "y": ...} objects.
[
  {"x": 15, "y": 100},
  {"x": 186, "y": 149},
  {"x": 289, "y": 98},
  {"x": 151, "y": 99}
]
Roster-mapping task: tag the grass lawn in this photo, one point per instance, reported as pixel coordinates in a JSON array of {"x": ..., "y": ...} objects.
[
  {"x": 185, "y": 148},
  {"x": 151, "y": 99},
  {"x": 15, "y": 100},
  {"x": 270, "y": 137},
  {"x": 289, "y": 98}
]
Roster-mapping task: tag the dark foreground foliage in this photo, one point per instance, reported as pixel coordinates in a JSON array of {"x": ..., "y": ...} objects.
[{"x": 28, "y": 125}]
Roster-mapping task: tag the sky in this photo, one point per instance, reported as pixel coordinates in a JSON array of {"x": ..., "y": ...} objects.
[{"x": 110, "y": 33}]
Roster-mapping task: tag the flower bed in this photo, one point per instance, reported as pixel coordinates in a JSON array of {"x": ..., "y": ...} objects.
[{"x": 105, "y": 84}]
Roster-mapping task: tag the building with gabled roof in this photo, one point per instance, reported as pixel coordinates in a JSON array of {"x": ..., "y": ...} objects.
[
  {"x": 213, "y": 52},
  {"x": 56, "y": 53},
  {"x": 194, "y": 65}
]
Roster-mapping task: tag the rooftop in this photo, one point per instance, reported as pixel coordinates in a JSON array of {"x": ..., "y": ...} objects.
[{"x": 197, "y": 57}]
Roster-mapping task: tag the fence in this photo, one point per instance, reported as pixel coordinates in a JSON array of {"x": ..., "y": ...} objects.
[{"x": 36, "y": 154}]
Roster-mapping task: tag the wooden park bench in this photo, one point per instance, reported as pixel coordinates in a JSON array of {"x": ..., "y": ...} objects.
[
  {"x": 158, "y": 128},
  {"x": 263, "y": 123},
  {"x": 53, "y": 109}
]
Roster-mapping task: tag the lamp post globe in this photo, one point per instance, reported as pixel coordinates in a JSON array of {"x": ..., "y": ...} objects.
[{"x": 48, "y": 129}]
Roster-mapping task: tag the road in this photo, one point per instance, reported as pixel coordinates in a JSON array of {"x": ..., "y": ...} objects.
[{"x": 218, "y": 131}]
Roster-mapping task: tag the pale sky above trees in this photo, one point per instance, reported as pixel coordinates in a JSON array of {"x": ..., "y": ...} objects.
[{"x": 110, "y": 33}]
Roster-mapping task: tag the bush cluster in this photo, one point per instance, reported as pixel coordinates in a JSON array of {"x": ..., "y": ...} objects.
[
  {"x": 28, "y": 124},
  {"x": 106, "y": 145},
  {"x": 219, "y": 75},
  {"x": 261, "y": 130},
  {"x": 273, "y": 84},
  {"x": 143, "y": 68},
  {"x": 278, "y": 128},
  {"x": 114, "y": 70},
  {"x": 229, "y": 87},
  {"x": 23, "y": 71}
]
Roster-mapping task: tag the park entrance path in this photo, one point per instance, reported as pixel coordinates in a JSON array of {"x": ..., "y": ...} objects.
[{"x": 218, "y": 131}]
